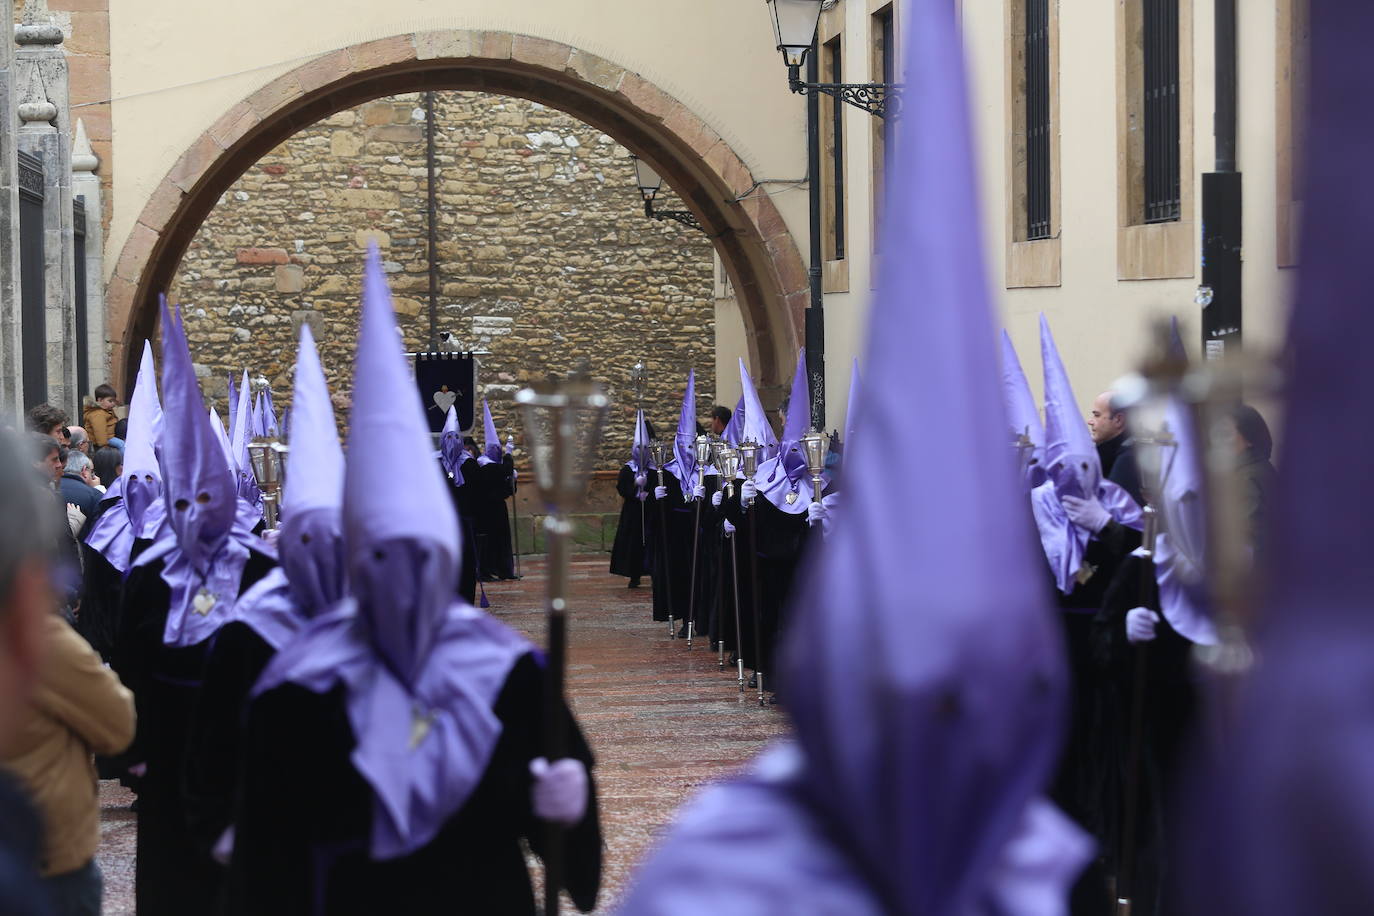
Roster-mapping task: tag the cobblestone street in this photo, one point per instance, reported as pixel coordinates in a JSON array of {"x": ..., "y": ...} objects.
[{"x": 661, "y": 720}]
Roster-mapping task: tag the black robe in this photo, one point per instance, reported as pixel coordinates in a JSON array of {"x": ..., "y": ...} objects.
[
  {"x": 22, "y": 893},
  {"x": 462, "y": 507},
  {"x": 1168, "y": 716},
  {"x": 777, "y": 541},
  {"x": 305, "y": 818},
  {"x": 492, "y": 486},
  {"x": 97, "y": 620},
  {"x": 631, "y": 552},
  {"x": 173, "y": 873},
  {"x": 671, "y": 522}
]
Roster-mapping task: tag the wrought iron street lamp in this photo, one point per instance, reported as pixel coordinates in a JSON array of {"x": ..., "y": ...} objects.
[
  {"x": 794, "y": 26},
  {"x": 650, "y": 183}
]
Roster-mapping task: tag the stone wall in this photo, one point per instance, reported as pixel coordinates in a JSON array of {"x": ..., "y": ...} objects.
[{"x": 545, "y": 256}]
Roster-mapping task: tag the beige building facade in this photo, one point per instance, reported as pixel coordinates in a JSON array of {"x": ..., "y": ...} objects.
[{"x": 199, "y": 92}]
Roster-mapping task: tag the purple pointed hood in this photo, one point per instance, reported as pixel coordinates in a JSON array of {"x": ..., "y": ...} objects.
[
  {"x": 206, "y": 544},
  {"x": 639, "y": 449},
  {"x": 230, "y": 403},
  {"x": 683, "y": 465},
  {"x": 310, "y": 548},
  {"x": 225, "y": 446},
  {"x": 733, "y": 429},
  {"x": 1292, "y": 829},
  {"x": 114, "y": 532},
  {"x": 970, "y": 690},
  {"x": 756, "y": 425},
  {"x": 851, "y": 413},
  {"x": 1180, "y": 547},
  {"x": 420, "y": 670},
  {"x": 142, "y": 475},
  {"x": 258, "y": 428},
  {"x": 1072, "y": 468},
  {"x": 269, "y": 415},
  {"x": 918, "y": 771},
  {"x": 786, "y": 474},
  {"x": 245, "y": 482},
  {"x": 451, "y": 447},
  {"x": 491, "y": 440},
  {"x": 1023, "y": 418}
]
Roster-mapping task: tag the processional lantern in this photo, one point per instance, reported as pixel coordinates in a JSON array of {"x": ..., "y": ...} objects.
[{"x": 814, "y": 445}]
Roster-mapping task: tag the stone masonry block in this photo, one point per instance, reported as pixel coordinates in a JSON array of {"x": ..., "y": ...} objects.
[
  {"x": 366, "y": 199},
  {"x": 134, "y": 258},
  {"x": 597, "y": 70},
  {"x": 262, "y": 256},
  {"x": 443, "y": 43},
  {"x": 383, "y": 52},
  {"x": 323, "y": 70},
  {"x": 540, "y": 52},
  {"x": 275, "y": 95},
  {"x": 290, "y": 278}
]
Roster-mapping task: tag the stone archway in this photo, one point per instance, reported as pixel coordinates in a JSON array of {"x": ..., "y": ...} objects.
[{"x": 760, "y": 254}]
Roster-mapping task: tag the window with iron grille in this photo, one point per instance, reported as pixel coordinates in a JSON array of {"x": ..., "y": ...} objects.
[
  {"x": 1162, "y": 180},
  {"x": 1037, "y": 119}
]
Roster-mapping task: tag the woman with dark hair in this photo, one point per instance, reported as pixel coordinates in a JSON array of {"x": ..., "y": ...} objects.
[
  {"x": 1254, "y": 445},
  {"x": 109, "y": 465}
]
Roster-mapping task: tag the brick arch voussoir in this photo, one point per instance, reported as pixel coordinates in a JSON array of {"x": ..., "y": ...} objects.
[{"x": 761, "y": 256}]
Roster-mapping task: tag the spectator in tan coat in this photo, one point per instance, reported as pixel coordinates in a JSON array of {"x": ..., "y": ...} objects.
[
  {"x": 78, "y": 708},
  {"x": 99, "y": 418}
]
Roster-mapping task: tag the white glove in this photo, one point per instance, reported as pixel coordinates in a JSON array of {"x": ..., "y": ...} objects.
[
  {"x": 748, "y": 492},
  {"x": 1088, "y": 514},
  {"x": 660, "y": 492},
  {"x": 270, "y": 535},
  {"x": 514, "y": 474},
  {"x": 729, "y": 528},
  {"x": 1140, "y": 625},
  {"x": 510, "y": 444},
  {"x": 75, "y": 518},
  {"x": 716, "y": 498},
  {"x": 699, "y": 492},
  {"x": 559, "y": 794},
  {"x": 816, "y": 514},
  {"x": 641, "y": 480}
]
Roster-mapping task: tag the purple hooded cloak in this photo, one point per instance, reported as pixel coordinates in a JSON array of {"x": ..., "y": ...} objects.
[
  {"x": 1072, "y": 469},
  {"x": 1022, "y": 415},
  {"x": 1283, "y": 822},
  {"x": 927, "y": 696},
  {"x": 313, "y": 571},
  {"x": 786, "y": 473},
  {"x": 420, "y": 670},
  {"x": 204, "y": 543},
  {"x": 451, "y": 447},
  {"x": 140, "y": 487}
]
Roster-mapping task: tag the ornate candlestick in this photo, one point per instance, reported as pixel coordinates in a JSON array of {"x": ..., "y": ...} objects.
[{"x": 562, "y": 426}]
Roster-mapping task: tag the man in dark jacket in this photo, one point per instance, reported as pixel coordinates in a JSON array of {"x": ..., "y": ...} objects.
[
  {"x": 76, "y": 488},
  {"x": 1115, "y": 447}
]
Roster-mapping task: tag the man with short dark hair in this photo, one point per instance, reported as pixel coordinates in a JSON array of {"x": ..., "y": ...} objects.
[
  {"x": 48, "y": 420},
  {"x": 720, "y": 418}
]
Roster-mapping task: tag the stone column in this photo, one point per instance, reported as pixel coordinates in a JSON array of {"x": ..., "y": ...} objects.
[
  {"x": 86, "y": 186},
  {"x": 45, "y": 132},
  {"x": 11, "y": 326}
]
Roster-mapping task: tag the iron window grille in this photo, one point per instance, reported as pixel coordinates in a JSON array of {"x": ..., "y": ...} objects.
[
  {"x": 1162, "y": 178},
  {"x": 1037, "y": 119}
]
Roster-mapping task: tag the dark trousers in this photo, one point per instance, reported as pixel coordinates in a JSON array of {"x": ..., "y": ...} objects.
[{"x": 76, "y": 893}]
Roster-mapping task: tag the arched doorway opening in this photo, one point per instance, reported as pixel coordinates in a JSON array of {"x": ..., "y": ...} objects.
[{"x": 760, "y": 256}]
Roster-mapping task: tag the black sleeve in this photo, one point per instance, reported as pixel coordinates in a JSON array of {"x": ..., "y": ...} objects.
[
  {"x": 138, "y": 635},
  {"x": 520, "y": 708},
  {"x": 215, "y": 744},
  {"x": 625, "y": 483},
  {"x": 1126, "y": 474}
]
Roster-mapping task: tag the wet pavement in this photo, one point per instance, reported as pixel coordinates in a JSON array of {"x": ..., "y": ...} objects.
[{"x": 661, "y": 720}]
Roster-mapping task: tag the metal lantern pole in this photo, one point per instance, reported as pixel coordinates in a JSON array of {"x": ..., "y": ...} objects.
[
  {"x": 702, "y": 453},
  {"x": 814, "y": 445},
  {"x": 728, "y": 463},
  {"x": 659, "y": 450},
  {"x": 562, "y": 424},
  {"x": 749, "y": 464}
]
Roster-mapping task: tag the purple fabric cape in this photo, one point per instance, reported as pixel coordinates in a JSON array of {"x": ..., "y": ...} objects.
[
  {"x": 1283, "y": 822},
  {"x": 203, "y": 542},
  {"x": 420, "y": 670},
  {"x": 451, "y": 447},
  {"x": 683, "y": 464},
  {"x": 926, "y": 727},
  {"x": 786, "y": 473},
  {"x": 756, "y": 426}
]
